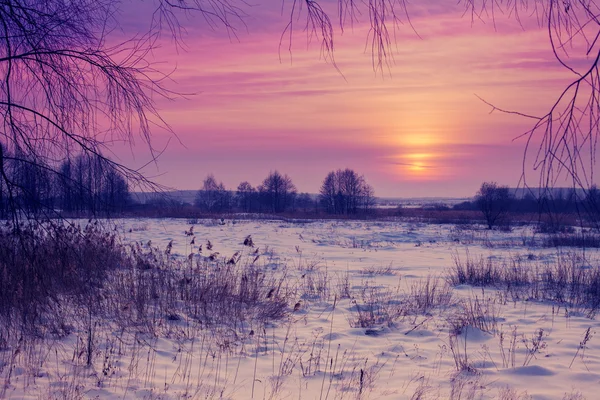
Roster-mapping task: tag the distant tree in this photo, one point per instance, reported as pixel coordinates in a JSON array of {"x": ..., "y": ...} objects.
[
  {"x": 206, "y": 196},
  {"x": 352, "y": 187},
  {"x": 65, "y": 190},
  {"x": 213, "y": 197},
  {"x": 528, "y": 203},
  {"x": 346, "y": 192},
  {"x": 246, "y": 196},
  {"x": 77, "y": 184},
  {"x": 368, "y": 198},
  {"x": 90, "y": 185},
  {"x": 494, "y": 202},
  {"x": 562, "y": 200},
  {"x": 556, "y": 204},
  {"x": 593, "y": 197},
  {"x": 465, "y": 205},
  {"x": 591, "y": 204},
  {"x": 277, "y": 192},
  {"x": 304, "y": 202},
  {"x": 114, "y": 194},
  {"x": 328, "y": 193},
  {"x": 31, "y": 183}
]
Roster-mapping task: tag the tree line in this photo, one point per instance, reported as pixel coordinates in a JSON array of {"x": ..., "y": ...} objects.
[
  {"x": 496, "y": 202},
  {"x": 82, "y": 184},
  {"x": 342, "y": 192},
  {"x": 91, "y": 185}
]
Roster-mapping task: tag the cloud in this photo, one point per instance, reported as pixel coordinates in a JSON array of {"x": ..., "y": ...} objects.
[
  {"x": 414, "y": 165},
  {"x": 252, "y": 111}
]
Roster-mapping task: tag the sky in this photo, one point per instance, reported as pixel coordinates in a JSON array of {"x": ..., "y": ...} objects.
[{"x": 253, "y": 103}]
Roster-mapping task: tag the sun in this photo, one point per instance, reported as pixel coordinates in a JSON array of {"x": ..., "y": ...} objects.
[
  {"x": 419, "y": 139},
  {"x": 418, "y": 164},
  {"x": 416, "y": 167}
]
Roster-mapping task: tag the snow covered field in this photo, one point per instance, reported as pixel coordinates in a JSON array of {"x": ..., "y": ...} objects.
[{"x": 370, "y": 315}]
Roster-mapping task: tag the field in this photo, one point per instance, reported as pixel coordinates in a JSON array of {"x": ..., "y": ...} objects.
[{"x": 322, "y": 310}]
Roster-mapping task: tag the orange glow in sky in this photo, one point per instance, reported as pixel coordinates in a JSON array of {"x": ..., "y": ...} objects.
[{"x": 417, "y": 129}]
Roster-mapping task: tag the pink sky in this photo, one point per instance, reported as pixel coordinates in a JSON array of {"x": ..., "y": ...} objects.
[{"x": 416, "y": 130}]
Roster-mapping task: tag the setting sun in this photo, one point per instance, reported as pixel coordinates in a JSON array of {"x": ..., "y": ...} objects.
[{"x": 416, "y": 167}]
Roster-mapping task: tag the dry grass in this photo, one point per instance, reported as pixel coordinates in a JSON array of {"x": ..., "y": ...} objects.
[
  {"x": 117, "y": 302},
  {"x": 61, "y": 280},
  {"x": 570, "y": 280},
  {"x": 383, "y": 306}
]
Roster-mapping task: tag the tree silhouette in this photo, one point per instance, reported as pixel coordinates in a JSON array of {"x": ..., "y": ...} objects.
[
  {"x": 213, "y": 197},
  {"x": 304, "y": 202},
  {"x": 277, "y": 192},
  {"x": 345, "y": 192},
  {"x": 494, "y": 202},
  {"x": 90, "y": 185},
  {"x": 246, "y": 196}
]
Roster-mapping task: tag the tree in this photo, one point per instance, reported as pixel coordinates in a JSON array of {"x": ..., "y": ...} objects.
[
  {"x": 31, "y": 185},
  {"x": 345, "y": 192},
  {"x": 246, "y": 196},
  {"x": 368, "y": 199},
  {"x": 65, "y": 90},
  {"x": 90, "y": 185},
  {"x": 591, "y": 204},
  {"x": 494, "y": 202},
  {"x": 304, "y": 202},
  {"x": 277, "y": 192},
  {"x": 114, "y": 195},
  {"x": 328, "y": 192},
  {"x": 64, "y": 186},
  {"x": 213, "y": 197}
]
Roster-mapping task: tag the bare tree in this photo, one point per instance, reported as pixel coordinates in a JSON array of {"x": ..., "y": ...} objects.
[
  {"x": 31, "y": 185},
  {"x": 328, "y": 193},
  {"x": 592, "y": 205},
  {"x": 213, "y": 197},
  {"x": 494, "y": 202},
  {"x": 90, "y": 185},
  {"x": 114, "y": 196},
  {"x": 346, "y": 192},
  {"x": 246, "y": 196},
  {"x": 277, "y": 192},
  {"x": 304, "y": 202},
  {"x": 368, "y": 199},
  {"x": 64, "y": 90}
]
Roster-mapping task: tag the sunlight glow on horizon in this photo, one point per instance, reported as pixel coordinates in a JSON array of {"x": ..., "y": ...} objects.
[{"x": 418, "y": 125}]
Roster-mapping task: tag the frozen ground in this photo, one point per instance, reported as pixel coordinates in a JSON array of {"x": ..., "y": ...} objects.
[{"x": 364, "y": 322}]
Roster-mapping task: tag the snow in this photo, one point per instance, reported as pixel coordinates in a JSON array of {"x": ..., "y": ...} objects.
[{"x": 320, "y": 351}]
